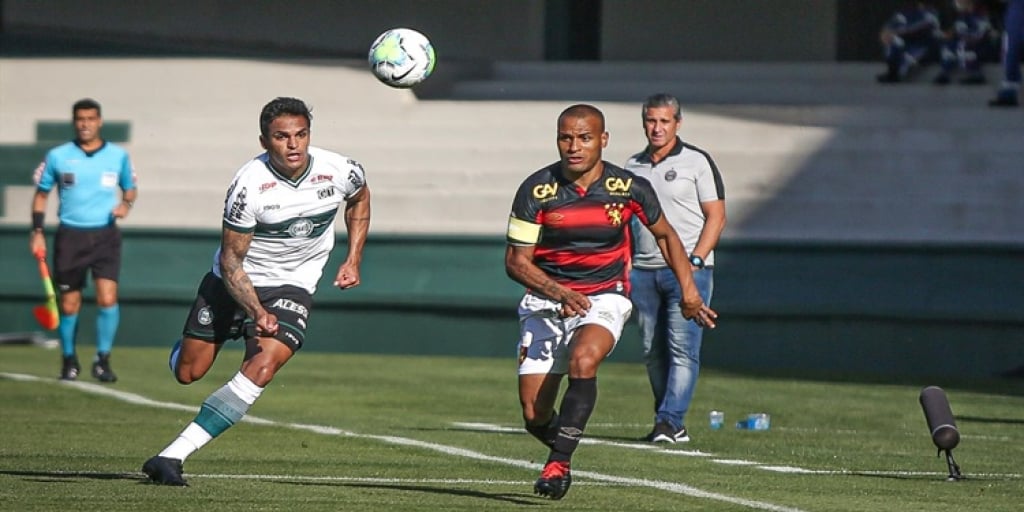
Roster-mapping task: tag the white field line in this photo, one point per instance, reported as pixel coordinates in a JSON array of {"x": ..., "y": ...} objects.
[
  {"x": 488, "y": 427},
  {"x": 672, "y": 487},
  {"x": 974, "y": 437}
]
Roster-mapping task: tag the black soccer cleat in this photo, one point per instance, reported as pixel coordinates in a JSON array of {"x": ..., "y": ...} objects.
[
  {"x": 101, "y": 369},
  {"x": 70, "y": 369},
  {"x": 554, "y": 480},
  {"x": 164, "y": 471}
]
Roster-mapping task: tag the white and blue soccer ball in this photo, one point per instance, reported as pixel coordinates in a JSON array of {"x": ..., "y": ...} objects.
[{"x": 402, "y": 57}]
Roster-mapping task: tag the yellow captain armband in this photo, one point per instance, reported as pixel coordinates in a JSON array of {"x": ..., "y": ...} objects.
[{"x": 522, "y": 231}]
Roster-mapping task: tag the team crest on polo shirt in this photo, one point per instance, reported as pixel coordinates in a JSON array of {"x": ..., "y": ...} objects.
[
  {"x": 670, "y": 175},
  {"x": 614, "y": 213}
]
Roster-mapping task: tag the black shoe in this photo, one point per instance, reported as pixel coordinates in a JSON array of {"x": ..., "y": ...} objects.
[
  {"x": 70, "y": 369},
  {"x": 101, "y": 369},
  {"x": 1004, "y": 99},
  {"x": 554, "y": 480},
  {"x": 941, "y": 79},
  {"x": 164, "y": 471},
  {"x": 888, "y": 78},
  {"x": 974, "y": 79},
  {"x": 666, "y": 433}
]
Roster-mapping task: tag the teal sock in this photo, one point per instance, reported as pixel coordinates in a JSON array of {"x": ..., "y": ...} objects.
[
  {"x": 227, "y": 405},
  {"x": 107, "y": 320},
  {"x": 67, "y": 329}
]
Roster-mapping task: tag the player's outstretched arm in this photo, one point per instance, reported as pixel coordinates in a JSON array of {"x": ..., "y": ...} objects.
[{"x": 357, "y": 222}]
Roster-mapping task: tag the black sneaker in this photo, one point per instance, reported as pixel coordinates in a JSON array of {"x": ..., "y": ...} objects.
[
  {"x": 70, "y": 369},
  {"x": 1005, "y": 98},
  {"x": 974, "y": 78},
  {"x": 101, "y": 369},
  {"x": 665, "y": 433},
  {"x": 164, "y": 471},
  {"x": 554, "y": 480}
]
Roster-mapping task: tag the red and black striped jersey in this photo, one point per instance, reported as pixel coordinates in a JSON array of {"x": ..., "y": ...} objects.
[{"x": 582, "y": 236}]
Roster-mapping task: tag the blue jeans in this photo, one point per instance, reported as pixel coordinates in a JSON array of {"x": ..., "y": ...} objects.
[{"x": 671, "y": 343}]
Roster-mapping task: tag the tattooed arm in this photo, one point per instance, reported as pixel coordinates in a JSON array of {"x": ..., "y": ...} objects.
[
  {"x": 234, "y": 246},
  {"x": 520, "y": 267}
]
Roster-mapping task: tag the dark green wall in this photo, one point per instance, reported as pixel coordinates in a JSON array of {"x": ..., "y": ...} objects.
[{"x": 876, "y": 308}]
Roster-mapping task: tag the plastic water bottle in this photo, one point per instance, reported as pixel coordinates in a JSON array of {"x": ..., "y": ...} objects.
[
  {"x": 755, "y": 421},
  {"x": 716, "y": 419}
]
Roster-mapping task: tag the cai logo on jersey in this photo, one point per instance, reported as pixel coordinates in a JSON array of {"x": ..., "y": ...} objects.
[
  {"x": 545, "y": 191},
  {"x": 300, "y": 228},
  {"x": 618, "y": 186}
]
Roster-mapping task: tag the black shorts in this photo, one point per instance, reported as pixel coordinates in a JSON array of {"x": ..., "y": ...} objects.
[
  {"x": 77, "y": 251},
  {"x": 216, "y": 317}
]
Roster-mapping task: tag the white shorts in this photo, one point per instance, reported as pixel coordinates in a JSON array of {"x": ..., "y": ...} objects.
[{"x": 544, "y": 335}]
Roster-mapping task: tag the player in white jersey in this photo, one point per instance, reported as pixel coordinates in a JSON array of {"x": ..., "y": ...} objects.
[{"x": 277, "y": 236}]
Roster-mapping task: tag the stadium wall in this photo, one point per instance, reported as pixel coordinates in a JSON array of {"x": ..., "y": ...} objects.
[
  {"x": 495, "y": 30},
  {"x": 922, "y": 309}
]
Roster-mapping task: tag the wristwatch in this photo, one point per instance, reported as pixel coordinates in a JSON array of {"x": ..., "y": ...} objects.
[{"x": 696, "y": 261}]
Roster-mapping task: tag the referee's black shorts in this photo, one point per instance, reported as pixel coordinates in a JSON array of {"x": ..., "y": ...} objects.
[{"x": 76, "y": 251}]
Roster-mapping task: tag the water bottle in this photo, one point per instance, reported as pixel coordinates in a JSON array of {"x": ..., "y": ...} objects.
[
  {"x": 716, "y": 419},
  {"x": 755, "y": 421}
]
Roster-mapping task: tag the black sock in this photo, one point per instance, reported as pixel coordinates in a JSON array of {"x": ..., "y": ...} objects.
[
  {"x": 545, "y": 432},
  {"x": 577, "y": 404}
]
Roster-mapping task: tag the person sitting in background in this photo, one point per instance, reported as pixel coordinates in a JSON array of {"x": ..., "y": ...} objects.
[
  {"x": 1013, "y": 32},
  {"x": 910, "y": 38},
  {"x": 967, "y": 44}
]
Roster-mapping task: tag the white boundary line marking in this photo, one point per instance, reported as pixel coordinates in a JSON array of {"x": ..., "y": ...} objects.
[
  {"x": 673, "y": 487},
  {"x": 488, "y": 427}
]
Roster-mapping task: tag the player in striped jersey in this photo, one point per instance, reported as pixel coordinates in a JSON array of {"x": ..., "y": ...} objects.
[
  {"x": 568, "y": 243},
  {"x": 278, "y": 234}
]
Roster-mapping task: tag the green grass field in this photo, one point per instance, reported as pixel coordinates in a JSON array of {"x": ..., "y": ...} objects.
[{"x": 358, "y": 432}]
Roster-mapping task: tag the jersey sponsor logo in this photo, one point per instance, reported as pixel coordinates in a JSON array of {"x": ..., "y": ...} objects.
[
  {"x": 290, "y": 305},
  {"x": 325, "y": 192},
  {"x": 238, "y": 206},
  {"x": 614, "y": 213},
  {"x": 545, "y": 191},
  {"x": 205, "y": 317},
  {"x": 319, "y": 178},
  {"x": 267, "y": 186},
  {"x": 355, "y": 178},
  {"x": 671, "y": 175},
  {"x": 618, "y": 186},
  {"x": 271, "y": 207},
  {"x": 300, "y": 228}
]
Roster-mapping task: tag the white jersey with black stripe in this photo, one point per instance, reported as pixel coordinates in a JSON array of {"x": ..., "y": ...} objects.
[{"x": 292, "y": 221}]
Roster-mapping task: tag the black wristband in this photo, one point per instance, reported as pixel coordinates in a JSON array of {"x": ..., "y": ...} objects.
[{"x": 37, "y": 220}]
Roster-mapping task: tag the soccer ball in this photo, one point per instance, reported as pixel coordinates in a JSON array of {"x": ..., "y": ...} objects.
[{"x": 401, "y": 57}]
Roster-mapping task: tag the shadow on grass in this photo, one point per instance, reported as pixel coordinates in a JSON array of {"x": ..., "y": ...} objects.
[
  {"x": 506, "y": 498},
  {"x": 57, "y": 476},
  {"x": 981, "y": 419}
]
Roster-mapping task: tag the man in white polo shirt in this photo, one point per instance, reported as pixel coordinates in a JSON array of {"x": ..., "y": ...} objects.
[{"x": 692, "y": 195}]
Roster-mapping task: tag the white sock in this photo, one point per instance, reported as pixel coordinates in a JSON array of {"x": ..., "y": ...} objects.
[
  {"x": 188, "y": 441},
  {"x": 194, "y": 436}
]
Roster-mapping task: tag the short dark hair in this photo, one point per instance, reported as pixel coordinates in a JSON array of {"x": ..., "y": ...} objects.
[
  {"x": 662, "y": 100},
  {"x": 86, "y": 104},
  {"x": 582, "y": 110},
  {"x": 282, "y": 106}
]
